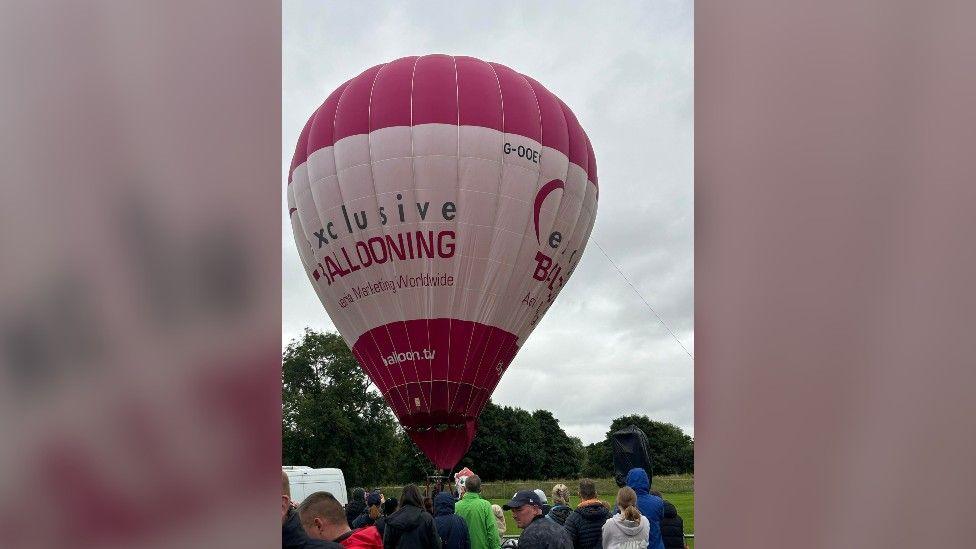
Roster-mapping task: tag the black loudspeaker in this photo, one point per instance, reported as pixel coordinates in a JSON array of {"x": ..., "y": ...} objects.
[{"x": 629, "y": 451}]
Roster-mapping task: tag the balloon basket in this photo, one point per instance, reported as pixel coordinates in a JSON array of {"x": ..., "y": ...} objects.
[{"x": 436, "y": 482}]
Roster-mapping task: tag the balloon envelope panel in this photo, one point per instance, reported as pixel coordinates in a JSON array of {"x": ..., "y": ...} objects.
[{"x": 439, "y": 205}]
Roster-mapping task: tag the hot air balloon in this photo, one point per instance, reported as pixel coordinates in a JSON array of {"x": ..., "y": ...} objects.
[{"x": 439, "y": 204}]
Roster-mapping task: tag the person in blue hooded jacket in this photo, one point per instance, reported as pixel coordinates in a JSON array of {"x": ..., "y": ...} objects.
[
  {"x": 650, "y": 506},
  {"x": 450, "y": 527}
]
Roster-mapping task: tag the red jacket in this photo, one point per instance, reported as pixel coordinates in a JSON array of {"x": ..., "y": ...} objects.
[{"x": 363, "y": 538}]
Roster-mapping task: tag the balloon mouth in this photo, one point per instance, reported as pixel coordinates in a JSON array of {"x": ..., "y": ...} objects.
[
  {"x": 445, "y": 443},
  {"x": 440, "y": 427}
]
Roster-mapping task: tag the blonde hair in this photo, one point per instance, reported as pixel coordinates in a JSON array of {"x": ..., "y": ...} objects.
[
  {"x": 560, "y": 494},
  {"x": 499, "y": 517},
  {"x": 627, "y": 503}
]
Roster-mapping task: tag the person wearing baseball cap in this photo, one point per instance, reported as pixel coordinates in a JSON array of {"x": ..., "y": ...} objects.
[{"x": 538, "y": 532}]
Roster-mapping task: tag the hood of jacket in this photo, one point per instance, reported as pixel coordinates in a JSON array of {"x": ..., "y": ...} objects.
[
  {"x": 638, "y": 480},
  {"x": 471, "y": 495},
  {"x": 628, "y": 528},
  {"x": 406, "y": 519},
  {"x": 443, "y": 504},
  {"x": 594, "y": 512},
  {"x": 559, "y": 513}
]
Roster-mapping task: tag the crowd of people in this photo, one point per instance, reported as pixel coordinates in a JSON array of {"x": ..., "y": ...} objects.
[{"x": 639, "y": 518}]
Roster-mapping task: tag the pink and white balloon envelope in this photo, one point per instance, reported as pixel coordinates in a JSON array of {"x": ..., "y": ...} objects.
[{"x": 439, "y": 204}]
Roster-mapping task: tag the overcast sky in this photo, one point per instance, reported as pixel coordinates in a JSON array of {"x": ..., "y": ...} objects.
[{"x": 626, "y": 71}]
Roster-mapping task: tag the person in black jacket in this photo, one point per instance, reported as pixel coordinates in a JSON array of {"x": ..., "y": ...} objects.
[
  {"x": 390, "y": 506},
  {"x": 672, "y": 527},
  {"x": 356, "y": 505},
  {"x": 585, "y": 524},
  {"x": 450, "y": 527},
  {"x": 293, "y": 535},
  {"x": 411, "y": 527},
  {"x": 373, "y": 512}
]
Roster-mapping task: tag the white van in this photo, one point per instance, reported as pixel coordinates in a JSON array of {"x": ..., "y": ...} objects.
[{"x": 304, "y": 481}]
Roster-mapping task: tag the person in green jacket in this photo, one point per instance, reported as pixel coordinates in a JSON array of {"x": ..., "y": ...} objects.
[{"x": 476, "y": 511}]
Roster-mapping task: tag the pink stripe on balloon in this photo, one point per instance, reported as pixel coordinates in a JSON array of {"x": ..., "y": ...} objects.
[
  {"x": 478, "y": 95},
  {"x": 301, "y": 148},
  {"x": 591, "y": 162},
  {"x": 323, "y": 124},
  {"x": 521, "y": 108},
  {"x": 352, "y": 113},
  {"x": 578, "y": 153},
  {"x": 554, "y": 132},
  {"x": 390, "y": 103},
  {"x": 435, "y": 91},
  {"x": 446, "y": 90}
]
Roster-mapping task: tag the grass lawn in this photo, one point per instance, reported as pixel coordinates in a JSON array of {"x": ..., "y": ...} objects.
[{"x": 684, "y": 502}]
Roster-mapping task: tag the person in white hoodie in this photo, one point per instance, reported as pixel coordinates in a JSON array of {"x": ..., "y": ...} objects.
[{"x": 627, "y": 529}]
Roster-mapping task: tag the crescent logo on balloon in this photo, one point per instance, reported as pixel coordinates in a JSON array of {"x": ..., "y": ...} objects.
[
  {"x": 420, "y": 182},
  {"x": 540, "y": 197}
]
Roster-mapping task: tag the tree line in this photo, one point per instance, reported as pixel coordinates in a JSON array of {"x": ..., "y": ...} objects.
[{"x": 331, "y": 418}]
